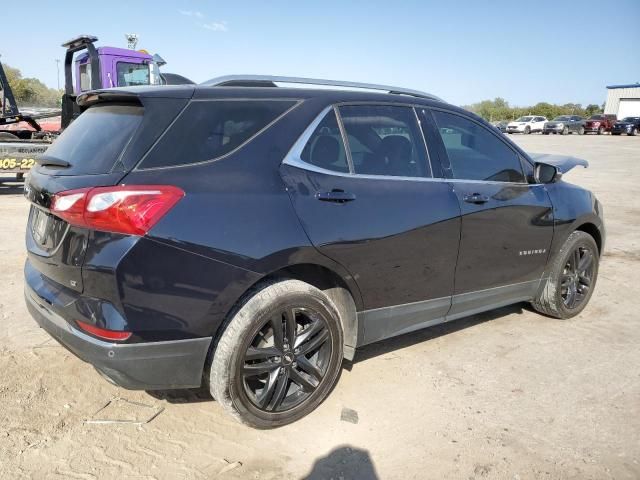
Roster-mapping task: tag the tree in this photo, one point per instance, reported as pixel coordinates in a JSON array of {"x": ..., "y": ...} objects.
[
  {"x": 31, "y": 91},
  {"x": 592, "y": 109}
]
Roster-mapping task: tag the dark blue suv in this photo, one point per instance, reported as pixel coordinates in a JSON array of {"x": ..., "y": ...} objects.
[{"x": 249, "y": 236}]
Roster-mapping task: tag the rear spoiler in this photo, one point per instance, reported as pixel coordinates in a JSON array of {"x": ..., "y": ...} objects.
[
  {"x": 91, "y": 98},
  {"x": 134, "y": 94}
]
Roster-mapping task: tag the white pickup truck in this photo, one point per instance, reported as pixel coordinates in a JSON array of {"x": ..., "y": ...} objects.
[{"x": 527, "y": 124}]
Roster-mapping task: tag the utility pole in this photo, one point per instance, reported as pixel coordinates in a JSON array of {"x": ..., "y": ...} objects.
[{"x": 58, "y": 70}]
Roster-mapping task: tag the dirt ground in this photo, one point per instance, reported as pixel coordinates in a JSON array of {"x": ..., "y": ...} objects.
[{"x": 508, "y": 394}]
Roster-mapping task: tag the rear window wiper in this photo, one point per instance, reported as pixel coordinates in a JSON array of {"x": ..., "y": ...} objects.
[{"x": 47, "y": 161}]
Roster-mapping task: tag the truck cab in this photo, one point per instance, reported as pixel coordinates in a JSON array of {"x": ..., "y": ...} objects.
[
  {"x": 90, "y": 68},
  {"x": 119, "y": 67}
]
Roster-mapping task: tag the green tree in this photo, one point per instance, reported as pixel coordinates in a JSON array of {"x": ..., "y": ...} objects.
[{"x": 31, "y": 91}]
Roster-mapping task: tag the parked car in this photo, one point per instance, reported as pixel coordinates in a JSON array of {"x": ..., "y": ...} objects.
[
  {"x": 599, "y": 123},
  {"x": 628, "y": 125},
  {"x": 255, "y": 235},
  {"x": 564, "y": 124},
  {"x": 502, "y": 126},
  {"x": 527, "y": 125}
]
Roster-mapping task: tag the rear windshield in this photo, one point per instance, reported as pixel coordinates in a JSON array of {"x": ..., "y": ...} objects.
[
  {"x": 94, "y": 142},
  {"x": 207, "y": 130}
]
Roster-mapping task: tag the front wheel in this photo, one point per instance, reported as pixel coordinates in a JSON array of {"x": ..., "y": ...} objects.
[
  {"x": 279, "y": 356},
  {"x": 601, "y": 131},
  {"x": 634, "y": 132},
  {"x": 581, "y": 131},
  {"x": 527, "y": 130},
  {"x": 565, "y": 131},
  {"x": 570, "y": 278}
]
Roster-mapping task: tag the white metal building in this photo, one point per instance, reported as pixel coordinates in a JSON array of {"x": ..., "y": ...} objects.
[{"x": 623, "y": 100}]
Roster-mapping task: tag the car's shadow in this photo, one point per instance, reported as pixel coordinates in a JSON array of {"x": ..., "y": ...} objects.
[{"x": 195, "y": 395}]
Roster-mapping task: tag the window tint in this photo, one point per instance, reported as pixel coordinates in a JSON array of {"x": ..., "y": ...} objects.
[
  {"x": 208, "y": 130},
  {"x": 475, "y": 153},
  {"x": 132, "y": 74},
  {"x": 385, "y": 140},
  {"x": 93, "y": 143},
  {"x": 325, "y": 148}
]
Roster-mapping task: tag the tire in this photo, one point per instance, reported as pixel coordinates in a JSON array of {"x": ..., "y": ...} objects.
[
  {"x": 634, "y": 132},
  {"x": 527, "y": 130},
  {"x": 581, "y": 131},
  {"x": 601, "y": 131},
  {"x": 615, "y": 133},
  {"x": 282, "y": 392},
  {"x": 545, "y": 133},
  {"x": 8, "y": 136},
  {"x": 565, "y": 131},
  {"x": 551, "y": 299}
]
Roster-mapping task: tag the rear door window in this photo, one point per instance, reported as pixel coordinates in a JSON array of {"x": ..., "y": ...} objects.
[
  {"x": 207, "y": 130},
  {"x": 325, "y": 148},
  {"x": 385, "y": 140},
  {"x": 95, "y": 141}
]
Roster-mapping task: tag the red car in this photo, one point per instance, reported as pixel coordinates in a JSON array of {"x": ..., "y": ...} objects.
[{"x": 599, "y": 123}]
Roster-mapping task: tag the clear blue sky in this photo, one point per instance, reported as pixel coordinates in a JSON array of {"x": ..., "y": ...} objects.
[{"x": 464, "y": 51}]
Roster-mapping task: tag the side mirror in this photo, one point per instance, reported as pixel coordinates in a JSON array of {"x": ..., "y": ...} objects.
[{"x": 545, "y": 173}]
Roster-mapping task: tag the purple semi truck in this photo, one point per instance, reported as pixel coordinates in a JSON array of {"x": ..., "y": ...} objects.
[
  {"x": 107, "y": 67},
  {"x": 23, "y": 138}
]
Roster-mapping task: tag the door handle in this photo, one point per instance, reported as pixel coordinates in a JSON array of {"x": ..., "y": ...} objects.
[
  {"x": 476, "y": 198},
  {"x": 336, "y": 196}
]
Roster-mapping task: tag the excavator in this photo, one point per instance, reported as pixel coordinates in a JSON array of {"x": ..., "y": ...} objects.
[{"x": 24, "y": 136}]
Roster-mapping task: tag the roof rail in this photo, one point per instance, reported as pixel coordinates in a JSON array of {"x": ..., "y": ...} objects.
[{"x": 271, "y": 80}]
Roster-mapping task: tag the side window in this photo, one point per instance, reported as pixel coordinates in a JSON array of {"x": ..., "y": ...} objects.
[
  {"x": 385, "y": 140},
  {"x": 85, "y": 77},
  {"x": 325, "y": 148},
  {"x": 475, "y": 153},
  {"x": 132, "y": 74},
  {"x": 207, "y": 130}
]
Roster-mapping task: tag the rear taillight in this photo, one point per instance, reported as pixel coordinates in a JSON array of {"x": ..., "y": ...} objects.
[
  {"x": 103, "y": 332},
  {"x": 129, "y": 209}
]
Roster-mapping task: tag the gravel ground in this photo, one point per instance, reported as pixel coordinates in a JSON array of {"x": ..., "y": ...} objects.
[{"x": 507, "y": 395}]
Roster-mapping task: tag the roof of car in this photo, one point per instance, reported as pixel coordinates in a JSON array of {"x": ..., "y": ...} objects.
[{"x": 332, "y": 95}]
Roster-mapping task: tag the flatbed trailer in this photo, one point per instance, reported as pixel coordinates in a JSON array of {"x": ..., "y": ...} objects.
[{"x": 20, "y": 146}]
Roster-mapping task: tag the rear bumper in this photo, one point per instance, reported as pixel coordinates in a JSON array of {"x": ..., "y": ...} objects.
[{"x": 136, "y": 366}]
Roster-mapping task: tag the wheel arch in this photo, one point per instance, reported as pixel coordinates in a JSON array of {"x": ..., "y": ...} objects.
[
  {"x": 594, "y": 231},
  {"x": 331, "y": 283}
]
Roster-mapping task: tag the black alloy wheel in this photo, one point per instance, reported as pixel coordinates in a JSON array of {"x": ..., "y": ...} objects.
[
  {"x": 577, "y": 277},
  {"x": 279, "y": 355},
  {"x": 287, "y": 359}
]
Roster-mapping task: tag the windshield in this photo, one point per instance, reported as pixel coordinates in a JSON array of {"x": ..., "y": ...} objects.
[
  {"x": 561, "y": 119},
  {"x": 596, "y": 117},
  {"x": 93, "y": 143},
  {"x": 630, "y": 119},
  {"x": 524, "y": 119}
]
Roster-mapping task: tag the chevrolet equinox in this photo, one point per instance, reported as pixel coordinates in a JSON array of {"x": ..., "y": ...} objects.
[{"x": 248, "y": 236}]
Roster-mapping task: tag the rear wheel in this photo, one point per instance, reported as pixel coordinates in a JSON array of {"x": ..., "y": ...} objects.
[
  {"x": 527, "y": 130},
  {"x": 279, "y": 356},
  {"x": 581, "y": 131},
  {"x": 600, "y": 130},
  {"x": 634, "y": 132},
  {"x": 565, "y": 131},
  {"x": 571, "y": 278}
]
